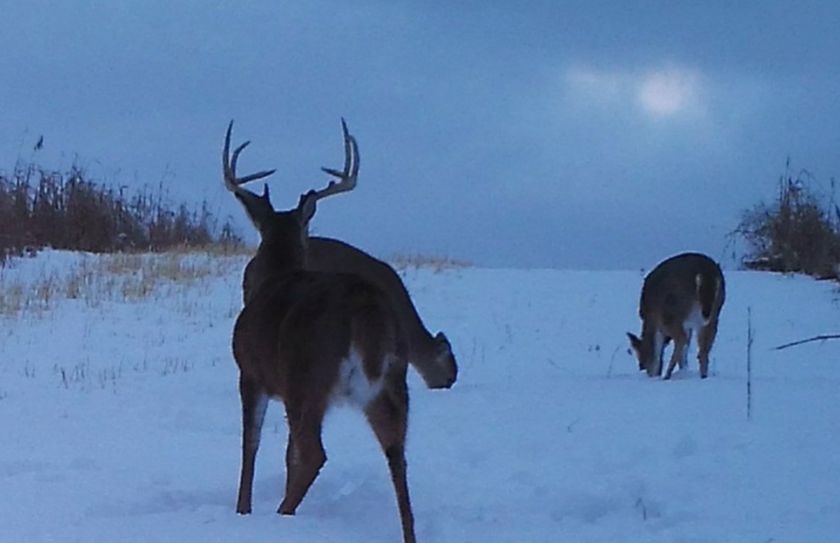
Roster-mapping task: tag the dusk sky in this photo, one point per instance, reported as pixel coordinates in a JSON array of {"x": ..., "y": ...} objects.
[{"x": 515, "y": 134}]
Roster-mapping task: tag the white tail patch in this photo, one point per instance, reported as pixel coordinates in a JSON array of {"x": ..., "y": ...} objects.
[
  {"x": 698, "y": 280},
  {"x": 353, "y": 385},
  {"x": 694, "y": 321}
]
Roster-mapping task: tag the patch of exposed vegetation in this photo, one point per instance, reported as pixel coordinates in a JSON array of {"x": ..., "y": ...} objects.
[
  {"x": 123, "y": 277},
  {"x": 69, "y": 210},
  {"x": 799, "y": 231},
  {"x": 403, "y": 262}
]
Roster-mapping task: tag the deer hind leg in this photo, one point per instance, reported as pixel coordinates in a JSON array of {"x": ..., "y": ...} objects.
[
  {"x": 680, "y": 344},
  {"x": 388, "y": 414},
  {"x": 304, "y": 454},
  {"x": 705, "y": 339},
  {"x": 254, "y": 403}
]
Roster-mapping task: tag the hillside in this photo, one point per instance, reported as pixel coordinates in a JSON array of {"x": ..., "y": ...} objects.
[{"x": 122, "y": 421}]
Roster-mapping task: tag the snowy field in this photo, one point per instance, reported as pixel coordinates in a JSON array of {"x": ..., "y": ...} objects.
[{"x": 121, "y": 422}]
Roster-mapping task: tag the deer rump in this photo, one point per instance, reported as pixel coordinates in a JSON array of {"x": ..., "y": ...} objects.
[
  {"x": 296, "y": 330},
  {"x": 673, "y": 296}
]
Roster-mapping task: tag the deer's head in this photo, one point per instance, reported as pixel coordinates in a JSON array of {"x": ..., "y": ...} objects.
[
  {"x": 286, "y": 232},
  {"x": 445, "y": 368},
  {"x": 643, "y": 351}
]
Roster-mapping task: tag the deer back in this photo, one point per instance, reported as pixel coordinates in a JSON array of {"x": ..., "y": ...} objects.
[
  {"x": 332, "y": 255},
  {"x": 680, "y": 285}
]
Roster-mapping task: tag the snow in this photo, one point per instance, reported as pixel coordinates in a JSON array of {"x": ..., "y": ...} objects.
[{"x": 122, "y": 420}]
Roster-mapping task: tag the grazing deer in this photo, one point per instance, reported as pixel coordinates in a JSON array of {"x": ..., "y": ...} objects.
[
  {"x": 431, "y": 356},
  {"x": 682, "y": 294},
  {"x": 314, "y": 339}
]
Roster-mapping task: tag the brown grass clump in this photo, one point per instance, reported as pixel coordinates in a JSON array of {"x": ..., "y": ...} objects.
[{"x": 403, "y": 262}]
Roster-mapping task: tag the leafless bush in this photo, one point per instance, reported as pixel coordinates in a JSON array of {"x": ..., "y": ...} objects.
[
  {"x": 68, "y": 210},
  {"x": 797, "y": 232}
]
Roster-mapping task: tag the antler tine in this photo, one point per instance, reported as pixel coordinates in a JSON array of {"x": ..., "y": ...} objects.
[
  {"x": 347, "y": 177},
  {"x": 232, "y": 183}
]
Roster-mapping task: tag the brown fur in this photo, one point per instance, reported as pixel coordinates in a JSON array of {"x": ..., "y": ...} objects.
[
  {"x": 669, "y": 295},
  {"x": 431, "y": 356},
  {"x": 290, "y": 341}
]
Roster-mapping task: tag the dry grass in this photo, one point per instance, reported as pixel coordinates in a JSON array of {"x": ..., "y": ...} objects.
[
  {"x": 69, "y": 210},
  {"x": 12, "y": 298},
  {"x": 121, "y": 277},
  {"x": 130, "y": 277},
  {"x": 437, "y": 264}
]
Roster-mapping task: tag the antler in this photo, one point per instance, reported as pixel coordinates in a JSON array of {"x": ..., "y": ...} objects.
[
  {"x": 347, "y": 177},
  {"x": 233, "y": 183}
]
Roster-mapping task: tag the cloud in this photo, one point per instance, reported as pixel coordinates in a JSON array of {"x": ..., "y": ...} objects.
[{"x": 665, "y": 92}]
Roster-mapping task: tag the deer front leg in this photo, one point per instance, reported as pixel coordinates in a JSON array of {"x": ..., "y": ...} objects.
[
  {"x": 254, "y": 403},
  {"x": 680, "y": 344}
]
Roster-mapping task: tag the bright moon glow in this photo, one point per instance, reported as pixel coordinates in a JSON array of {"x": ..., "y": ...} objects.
[
  {"x": 663, "y": 92},
  {"x": 668, "y": 92}
]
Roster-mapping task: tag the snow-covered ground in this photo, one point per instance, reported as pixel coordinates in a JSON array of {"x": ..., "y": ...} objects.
[{"x": 121, "y": 420}]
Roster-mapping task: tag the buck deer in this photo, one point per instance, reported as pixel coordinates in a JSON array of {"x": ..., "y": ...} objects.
[
  {"x": 312, "y": 339},
  {"x": 682, "y": 295},
  {"x": 431, "y": 356}
]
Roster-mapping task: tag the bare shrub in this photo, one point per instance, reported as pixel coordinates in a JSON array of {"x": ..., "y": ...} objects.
[{"x": 797, "y": 232}]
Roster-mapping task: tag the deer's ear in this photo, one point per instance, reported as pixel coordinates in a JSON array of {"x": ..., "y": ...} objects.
[
  {"x": 258, "y": 208},
  {"x": 635, "y": 342},
  {"x": 307, "y": 206}
]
